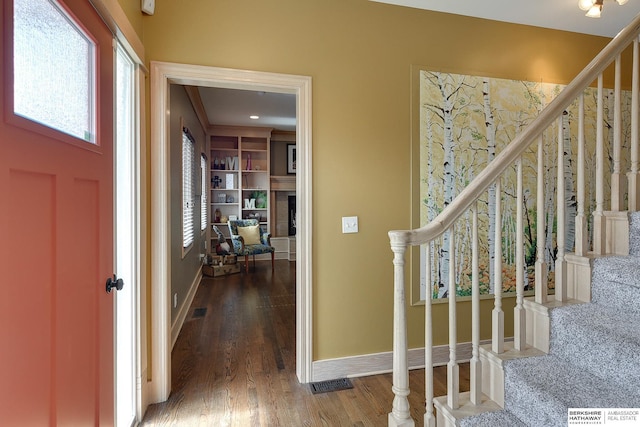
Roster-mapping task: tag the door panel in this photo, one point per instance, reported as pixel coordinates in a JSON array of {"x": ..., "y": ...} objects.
[
  {"x": 27, "y": 307},
  {"x": 56, "y": 230},
  {"x": 78, "y": 300}
]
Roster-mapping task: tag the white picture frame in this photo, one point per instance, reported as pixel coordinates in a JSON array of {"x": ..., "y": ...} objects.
[{"x": 291, "y": 158}]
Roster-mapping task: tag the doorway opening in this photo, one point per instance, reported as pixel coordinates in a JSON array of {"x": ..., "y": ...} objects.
[{"x": 162, "y": 76}]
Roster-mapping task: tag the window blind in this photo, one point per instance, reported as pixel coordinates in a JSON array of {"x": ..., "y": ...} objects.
[
  {"x": 203, "y": 192},
  {"x": 188, "y": 193}
]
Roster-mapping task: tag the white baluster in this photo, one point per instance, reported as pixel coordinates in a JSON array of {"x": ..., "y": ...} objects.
[
  {"x": 429, "y": 417},
  {"x": 399, "y": 415},
  {"x": 541, "y": 265},
  {"x": 453, "y": 372},
  {"x": 519, "y": 313},
  {"x": 561, "y": 271},
  {"x": 582, "y": 241},
  {"x": 475, "y": 386},
  {"x": 497, "y": 318},
  {"x": 633, "y": 177},
  {"x": 617, "y": 182},
  {"x": 599, "y": 221}
]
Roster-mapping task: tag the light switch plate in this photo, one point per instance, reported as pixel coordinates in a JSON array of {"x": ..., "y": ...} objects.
[{"x": 349, "y": 224}]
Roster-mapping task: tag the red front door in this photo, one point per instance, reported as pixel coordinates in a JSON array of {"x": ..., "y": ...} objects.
[{"x": 56, "y": 252}]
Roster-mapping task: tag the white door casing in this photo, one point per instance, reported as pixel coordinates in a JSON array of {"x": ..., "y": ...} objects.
[{"x": 162, "y": 75}]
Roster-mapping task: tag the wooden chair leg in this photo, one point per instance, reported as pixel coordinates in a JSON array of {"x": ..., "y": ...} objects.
[
  {"x": 246, "y": 263},
  {"x": 272, "y": 261}
]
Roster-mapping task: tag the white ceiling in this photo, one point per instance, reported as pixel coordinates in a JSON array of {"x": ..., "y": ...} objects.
[
  {"x": 555, "y": 14},
  {"x": 233, "y": 107},
  {"x": 278, "y": 111}
]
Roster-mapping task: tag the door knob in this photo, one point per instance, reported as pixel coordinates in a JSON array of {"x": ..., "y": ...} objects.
[{"x": 114, "y": 282}]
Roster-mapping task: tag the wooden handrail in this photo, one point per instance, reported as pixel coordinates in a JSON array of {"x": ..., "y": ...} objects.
[{"x": 460, "y": 204}]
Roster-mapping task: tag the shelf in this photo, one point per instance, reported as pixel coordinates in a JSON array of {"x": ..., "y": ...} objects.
[
  {"x": 283, "y": 183},
  {"x": 240, "y": 144},
  {"x": 231, "y": 147}
]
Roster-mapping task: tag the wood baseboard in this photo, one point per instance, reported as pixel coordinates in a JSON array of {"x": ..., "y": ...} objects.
[
  {"x": 184, "y": 308},
  {"x": 381, "y": 363}
]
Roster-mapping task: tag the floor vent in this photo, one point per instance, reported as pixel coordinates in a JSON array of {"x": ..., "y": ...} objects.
[
  {"x": 331, "y": 385},
  {"x": 199, "y": 312}
]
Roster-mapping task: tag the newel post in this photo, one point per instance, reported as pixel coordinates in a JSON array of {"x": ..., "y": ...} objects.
[
  {"x": 633, "y": 176},
  {"x": 399, "y": 415}
]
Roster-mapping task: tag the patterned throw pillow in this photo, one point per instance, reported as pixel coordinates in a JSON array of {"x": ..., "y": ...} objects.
[{"x": 250, "y": 234}]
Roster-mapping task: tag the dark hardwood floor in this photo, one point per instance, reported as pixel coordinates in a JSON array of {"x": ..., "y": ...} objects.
[{"x": 234, "y": 364}]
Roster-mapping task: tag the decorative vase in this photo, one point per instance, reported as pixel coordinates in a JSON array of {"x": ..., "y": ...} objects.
[{"x": 249, "y": 161}]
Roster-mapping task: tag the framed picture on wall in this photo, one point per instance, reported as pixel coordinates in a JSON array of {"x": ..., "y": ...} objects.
[{"x": 291, "y": 158}]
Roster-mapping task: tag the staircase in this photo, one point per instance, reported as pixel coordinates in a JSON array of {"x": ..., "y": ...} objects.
[
  {"x": 594, "y": 353},
  {"x": 577, "y": 348}
]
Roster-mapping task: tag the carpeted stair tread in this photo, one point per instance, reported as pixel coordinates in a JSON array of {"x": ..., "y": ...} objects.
[
  {"x": 597, "y": 339},
  {"x": 539, "y": 390},
  {"x": 616, "y": 283},
  {"x": 634, "y": 234},
  {"x": 618, "y": 269},
  {"x": 492, "y": 419},
  {"x": 594, "y": 358}
]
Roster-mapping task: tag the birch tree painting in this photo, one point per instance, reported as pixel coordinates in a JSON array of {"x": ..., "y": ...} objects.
[{"x": 465, "y": 121}]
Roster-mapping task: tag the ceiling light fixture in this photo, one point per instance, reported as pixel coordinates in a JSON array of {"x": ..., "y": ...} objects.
[
  {"x": 594, "y": 7},
  {"x": 254, "y": 117}
]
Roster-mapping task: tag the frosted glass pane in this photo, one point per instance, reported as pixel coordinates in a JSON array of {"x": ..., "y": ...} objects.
[
  {"x": 124, "y": 100},
  {"x": 53, "y": 69}
]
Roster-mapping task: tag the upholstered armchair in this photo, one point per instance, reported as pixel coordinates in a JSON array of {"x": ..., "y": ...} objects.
[{"x": 249, "y": 239}]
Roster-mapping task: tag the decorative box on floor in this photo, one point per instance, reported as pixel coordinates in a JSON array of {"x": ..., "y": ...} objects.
[
  {"x": 221, "y": 265},
  {"x": 220, "y": 270}
]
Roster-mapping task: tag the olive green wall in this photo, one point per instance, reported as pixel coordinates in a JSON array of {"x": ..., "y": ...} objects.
[
  {"x": 131, "y": 9},
  {"x": 360, "y": 55}
]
